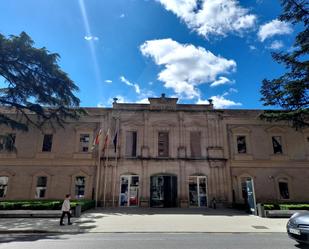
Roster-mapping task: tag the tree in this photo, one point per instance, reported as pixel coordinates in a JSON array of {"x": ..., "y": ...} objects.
[
  {"x": 290, "y": 91},
  {"x": 34, "y": 84}
]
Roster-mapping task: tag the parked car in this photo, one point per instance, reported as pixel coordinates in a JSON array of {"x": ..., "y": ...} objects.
[{"x": 298, "y": 227}]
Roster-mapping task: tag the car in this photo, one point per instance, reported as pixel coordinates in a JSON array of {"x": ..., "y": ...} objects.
[{"x": 298, "y": 227}]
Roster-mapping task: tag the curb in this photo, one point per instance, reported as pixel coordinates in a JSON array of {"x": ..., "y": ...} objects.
[{"x": 125, "y": 232}]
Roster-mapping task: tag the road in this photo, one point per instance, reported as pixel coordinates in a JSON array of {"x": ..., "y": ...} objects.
[{"x": 148, "y": 241}]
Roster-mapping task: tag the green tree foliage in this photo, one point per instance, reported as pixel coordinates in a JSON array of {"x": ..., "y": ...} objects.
[
  {"x": 34, "y": 84},
  {"x": 290, "y": 91}
]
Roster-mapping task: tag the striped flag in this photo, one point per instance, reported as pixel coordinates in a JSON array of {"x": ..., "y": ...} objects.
[
  {"x": 106, "y": 140},
  {"x": 96, "y": 140}
]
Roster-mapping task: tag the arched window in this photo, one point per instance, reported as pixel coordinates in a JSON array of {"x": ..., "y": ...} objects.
[{"x": 283, "y": 186}]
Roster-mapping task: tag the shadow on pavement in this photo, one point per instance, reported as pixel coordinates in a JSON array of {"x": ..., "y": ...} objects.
[
  {"x": 169, "y": 211},
  {"x": 28, "y": 237}
]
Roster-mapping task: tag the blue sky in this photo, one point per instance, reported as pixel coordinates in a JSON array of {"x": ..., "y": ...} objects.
[{"x": 135, "y": 49}]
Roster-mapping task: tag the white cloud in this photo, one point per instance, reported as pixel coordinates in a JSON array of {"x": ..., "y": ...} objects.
[
  {"x": 100, "y": 104},
  {"x": 220, "y": 102},
  {"x": 108, "y": 81},
  {"x": 122, "y": 15},
  {"x": 127, "y": 82},
  {"x": 90, "y": 38},
  {"x": 186, "y": 66},
  {"x": 252, "y": 47},
  {"x": 211, "y": 17},
  {"x": 221, "y": 81},
  {"x": 275, "y": 45},
  {"x": 142, "y": 101},
  {"x": 233, "y": 90},
  {"x": 272, "y": 28}
]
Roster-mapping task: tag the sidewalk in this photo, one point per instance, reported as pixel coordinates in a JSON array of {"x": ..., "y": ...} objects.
[{"x": 151, "y": 221}]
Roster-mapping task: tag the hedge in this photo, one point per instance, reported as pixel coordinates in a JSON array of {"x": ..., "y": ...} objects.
[
  {"x": 286, "y": 206},
  {"x": 43, "y": 204}
]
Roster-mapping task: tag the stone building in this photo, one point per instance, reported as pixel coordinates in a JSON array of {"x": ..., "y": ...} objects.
[{"x": 161, "y": 154}]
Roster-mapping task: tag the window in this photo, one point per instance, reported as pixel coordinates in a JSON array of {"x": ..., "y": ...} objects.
[
  {"x": 41, "y": 187},
  {"x": 131, "y": 143},
  {"x": 163, "y": 144},
  {"x": 241, "y": 144},
  {"x": 47, "y": 143},
  {"x": 284, "y": 189},
  {"x": 80, "y": 187},
  {"x": 195, "y": 144},
  {"x": 7, "y": 142},
  {"x": 3, "y": 186},
  {"x": 277, "y": 144},
  {"x": 84, "y": 140}
]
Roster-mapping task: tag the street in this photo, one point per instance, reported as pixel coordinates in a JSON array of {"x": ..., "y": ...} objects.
[{"x": 149, "y": 240}]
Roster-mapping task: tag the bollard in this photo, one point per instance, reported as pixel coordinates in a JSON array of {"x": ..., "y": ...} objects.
[
  {"x": 78, "y": 211},
  {"x": 260, "y": 210}
]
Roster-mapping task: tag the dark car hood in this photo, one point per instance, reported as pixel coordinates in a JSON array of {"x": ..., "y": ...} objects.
[{"x": 301, "y": 218}]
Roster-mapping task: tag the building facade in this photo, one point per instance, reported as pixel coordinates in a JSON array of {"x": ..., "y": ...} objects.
[{"x": 161, "y": 154}]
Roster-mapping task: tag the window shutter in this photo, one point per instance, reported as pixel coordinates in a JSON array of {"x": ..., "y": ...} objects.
[
  {"x": 129, "y": 143},
  {"x": 195, "y": 144},
  {"x": 163, "y": 144}
]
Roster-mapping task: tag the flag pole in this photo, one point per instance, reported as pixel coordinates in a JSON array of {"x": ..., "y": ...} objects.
[
  {"x": 116, "y": 155},
  {"x": 98, "y": 165},
  {"x": 105, "y": 165}
]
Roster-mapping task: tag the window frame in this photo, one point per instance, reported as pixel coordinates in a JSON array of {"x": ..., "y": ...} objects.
[
  {"x": 41, "y": 187},
  {"x": 4, "y": 143},
  {"x": 167, "y": 154},
  {"x": 85, "y": 182},
  {"x": 200, "y": 143},
  {"x": 246, "y": 144},
  {"x": 136, "y": 144},
  {"x": 287, "y": 180},
  {"x": 6, "y": 186},
  {"x": 273, "y": 138},
  {"x": 80, "y": 144},
  {"x": 51, "y": 145}
]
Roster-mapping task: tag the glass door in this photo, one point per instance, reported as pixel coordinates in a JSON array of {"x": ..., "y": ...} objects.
[
  {"x": 198, "y": 191},
  {"x": 129, "y": 188}
]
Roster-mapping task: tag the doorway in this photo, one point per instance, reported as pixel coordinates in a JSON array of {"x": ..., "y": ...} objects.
[
  {"x": 198, "y": 191},
  {"x": 163, "y": 191},
  {"x": 129, "y": 188}
]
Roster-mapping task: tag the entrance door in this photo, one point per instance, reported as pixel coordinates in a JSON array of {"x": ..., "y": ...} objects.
[
  {"x": 198, "y": 191},
  {"x": 129, "y": 191},
  {"x": 163, "y": 191},
  {"x": 248, "y": 194}
]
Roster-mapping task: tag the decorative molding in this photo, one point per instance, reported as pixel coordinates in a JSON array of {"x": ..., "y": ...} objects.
[
  {"x": 240, "y": 130},
  {"x": 275, "y": 130}
]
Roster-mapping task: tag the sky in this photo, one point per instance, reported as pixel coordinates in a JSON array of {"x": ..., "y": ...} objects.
[{"x": 194, "y": 50}]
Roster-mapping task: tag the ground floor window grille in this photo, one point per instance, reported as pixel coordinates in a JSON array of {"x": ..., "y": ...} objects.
[
  {"x": 3, "y": 186},
  {"x": 284, "y": 189},
  {"x": 80, "y": 187},
  {"x": 41, "y": 187}
]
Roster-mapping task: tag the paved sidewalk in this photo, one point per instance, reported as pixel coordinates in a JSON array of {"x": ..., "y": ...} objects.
[{"x": 151, "y": 221}]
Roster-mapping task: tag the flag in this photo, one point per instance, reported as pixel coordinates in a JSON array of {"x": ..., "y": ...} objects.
[
  {"x": 106, "y": 141},
  {"x": 96, "y": 140},
  {"x": 115, "y": 142}
]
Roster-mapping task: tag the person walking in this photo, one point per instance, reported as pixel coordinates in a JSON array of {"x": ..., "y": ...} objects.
[{"x": 66, "y": 210}]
